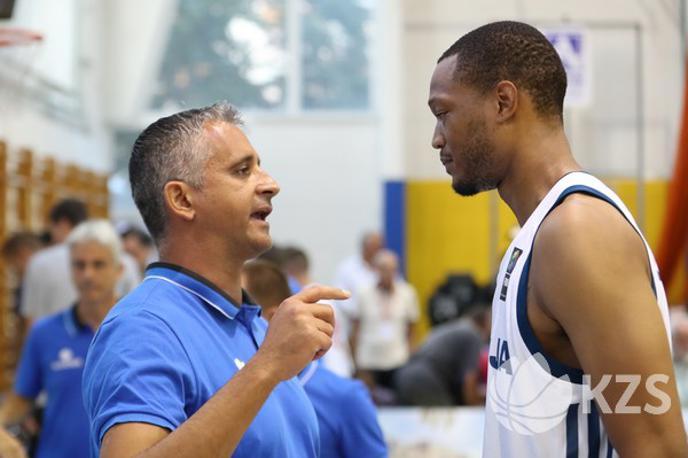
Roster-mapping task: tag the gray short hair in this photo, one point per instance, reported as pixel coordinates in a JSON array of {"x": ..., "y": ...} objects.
[
  {"x": 99, "y": 231},
  {"x": 171, "y": 149}
]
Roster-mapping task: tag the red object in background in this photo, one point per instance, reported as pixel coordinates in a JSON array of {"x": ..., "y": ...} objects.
[
  {"x": 674, "y": 237},
  {"x": 685, "y": 284},
  {"x": 15, "y": 36},
  {"x": 482, "y": 365}
]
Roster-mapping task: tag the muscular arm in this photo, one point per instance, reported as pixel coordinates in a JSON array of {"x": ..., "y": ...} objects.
[
  {"x": 471, "y": 390},
  {"x": 299, "y": 330},
  {"x": 215, "y": 430},
  {"x": 14, "y": 409},
  {"x": 470, "y": 370},
  {"x": 411, "y": 337},
  {"x": 590, "y": 274}
]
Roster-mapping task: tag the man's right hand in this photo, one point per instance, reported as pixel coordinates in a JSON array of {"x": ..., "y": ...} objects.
[
  {"x": 300, "y": 331},
  {"x": 10, "y": 447}
]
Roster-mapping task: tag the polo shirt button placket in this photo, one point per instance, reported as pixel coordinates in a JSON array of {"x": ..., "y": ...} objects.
[{"x": 246, "y": 317}]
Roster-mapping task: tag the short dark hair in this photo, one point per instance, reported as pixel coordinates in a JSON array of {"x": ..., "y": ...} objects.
[
  {"x": 266, "y": 283},
  {"x": 72, "y": 210},
  {"x": 171, "y": 149},
  {"x": 140, "y": 235},
  {"x": 19, "y": 240},
  {"x": 274, "y": 255},
  {"x": 516, "y": 52},
  {"x": 294, "y": 260},
  {"x": 477, "y": 312}
]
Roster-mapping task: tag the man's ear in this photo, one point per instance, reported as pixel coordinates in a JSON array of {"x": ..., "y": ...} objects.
[
  {"x": 178, "y": 200},
  {"x": 507, "y": 100}
]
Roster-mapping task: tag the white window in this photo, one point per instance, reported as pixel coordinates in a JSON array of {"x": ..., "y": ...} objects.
[{"x": 268, "y": 55}]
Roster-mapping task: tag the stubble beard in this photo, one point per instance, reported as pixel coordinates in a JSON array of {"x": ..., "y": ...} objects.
[{"x": 478, "y": 164}]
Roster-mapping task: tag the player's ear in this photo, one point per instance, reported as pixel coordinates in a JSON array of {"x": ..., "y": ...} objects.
[
  {"x": 179, "y": 200},
  {"x": 507, "y": 100}
]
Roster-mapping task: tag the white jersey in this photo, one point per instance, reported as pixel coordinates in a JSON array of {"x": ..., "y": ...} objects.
[{"x": 536, "y": 406}]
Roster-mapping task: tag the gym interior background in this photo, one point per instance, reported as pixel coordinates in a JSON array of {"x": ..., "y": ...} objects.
[{"x": 334, "y": 96}]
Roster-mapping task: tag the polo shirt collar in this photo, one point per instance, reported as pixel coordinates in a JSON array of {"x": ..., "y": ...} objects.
[
  {"x": 72, "y": 323},
  {"x": 202, "y": 288}
]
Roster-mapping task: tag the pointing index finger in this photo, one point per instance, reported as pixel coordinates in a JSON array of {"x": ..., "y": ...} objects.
[{"x": 315, "y": 293}]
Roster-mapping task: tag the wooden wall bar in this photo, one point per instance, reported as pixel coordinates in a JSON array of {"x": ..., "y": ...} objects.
[
  {"x": 5, "y": 305},
  {"x": 29, "y": 187}
]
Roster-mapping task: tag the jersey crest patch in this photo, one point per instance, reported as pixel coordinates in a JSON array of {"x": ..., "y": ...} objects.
[{"x": 509, "y": 269}]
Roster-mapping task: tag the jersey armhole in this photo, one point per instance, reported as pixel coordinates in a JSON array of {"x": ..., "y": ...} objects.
[{"x": 556, "y": 368}]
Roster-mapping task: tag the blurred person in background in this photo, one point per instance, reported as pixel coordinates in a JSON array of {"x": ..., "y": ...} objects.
[
  {"x": 353, "y": 274},
  {"x": 358, "y": 271},
  {"x": 17, "y": 251},
  {"x": 296, "y": 266},
  {"x": 53, "y": 357},
  {"x": 383, "y": 323},
  {"x": 346, "y": 415},
  {"x": 679, "y": 337},
  {"x": 47, "y": 285},
  {"x": 445, "y": 371},
  {"x": 139, "y": 245},
  {"x": 290, "y": 261}
]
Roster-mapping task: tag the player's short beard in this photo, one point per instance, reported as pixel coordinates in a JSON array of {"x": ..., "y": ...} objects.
[{"x": 477, "y": 161}]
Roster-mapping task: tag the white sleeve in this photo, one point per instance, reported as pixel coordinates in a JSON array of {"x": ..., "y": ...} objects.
[
  {"x": 130, "y": 275},
  {"x": 33, "y": 292},
  {"x": 413, "y": 312},
  {"x": 355, "y": 304}
]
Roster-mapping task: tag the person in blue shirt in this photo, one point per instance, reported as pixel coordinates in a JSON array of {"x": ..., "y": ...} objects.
[
  {"x": 184, "y": 366},
  {"x": 53, "y": 356},
  {"x": 346, "y": 414}
]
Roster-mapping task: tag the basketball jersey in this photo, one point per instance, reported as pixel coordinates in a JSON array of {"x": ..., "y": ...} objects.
[{"x": 537, "y": 406}]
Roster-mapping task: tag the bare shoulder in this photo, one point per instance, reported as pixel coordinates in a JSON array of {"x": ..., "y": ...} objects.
[
  {"x": 587, "y": 252},
  {"x": 590, "y": 274},
  {"x": 586, "y": 229}
]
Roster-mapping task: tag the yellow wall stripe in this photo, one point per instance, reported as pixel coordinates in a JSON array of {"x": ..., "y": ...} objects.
[{"x": 447, "y": 233}]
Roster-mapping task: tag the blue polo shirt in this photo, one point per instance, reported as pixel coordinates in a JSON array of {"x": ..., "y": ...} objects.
[
  {"x": 52, "y": 361},
  {"x": 346, "y": 415},
  {"x": 168, "y": 346}
]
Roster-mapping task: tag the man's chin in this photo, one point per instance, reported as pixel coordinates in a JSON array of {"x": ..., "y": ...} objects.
[
  {"x": 91, "y": 298},
  {"x": 470, "y": 189},
  {"x": 465, "y": 189},
  {"x": 262, "y": 244}
]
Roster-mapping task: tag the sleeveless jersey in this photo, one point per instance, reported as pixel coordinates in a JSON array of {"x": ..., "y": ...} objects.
[{"x": 537, "y": 406}]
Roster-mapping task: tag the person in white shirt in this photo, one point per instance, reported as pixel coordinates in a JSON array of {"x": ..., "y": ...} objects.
[
  {"x": 353, "y": 274},
  {"x": 47, "y": 286},
  {"x": 383, "y": 326},
  {"x": 357, "y": 271}
]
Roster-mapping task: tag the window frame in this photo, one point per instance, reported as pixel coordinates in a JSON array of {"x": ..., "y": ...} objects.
[{"x": 293, "y": 107}]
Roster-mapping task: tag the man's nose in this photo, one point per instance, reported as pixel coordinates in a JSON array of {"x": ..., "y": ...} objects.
[
  {"x": 269, "y": 186},
  {"x": 438, "y": 140}
]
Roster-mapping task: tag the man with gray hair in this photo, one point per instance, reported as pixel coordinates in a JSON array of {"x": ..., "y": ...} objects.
[
  {"x": 383, "y": 323},
  {"x": 353, "y": 274},
  {"x": 47, "y": 287},
  {"x": 53, "y": 356},
  {"x": 184, "y": 366}
]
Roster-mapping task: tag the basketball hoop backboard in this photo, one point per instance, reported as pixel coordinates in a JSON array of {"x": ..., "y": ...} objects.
[
  {"x": 16, "y": 36},
  {"x": 18, "y": 50}
]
